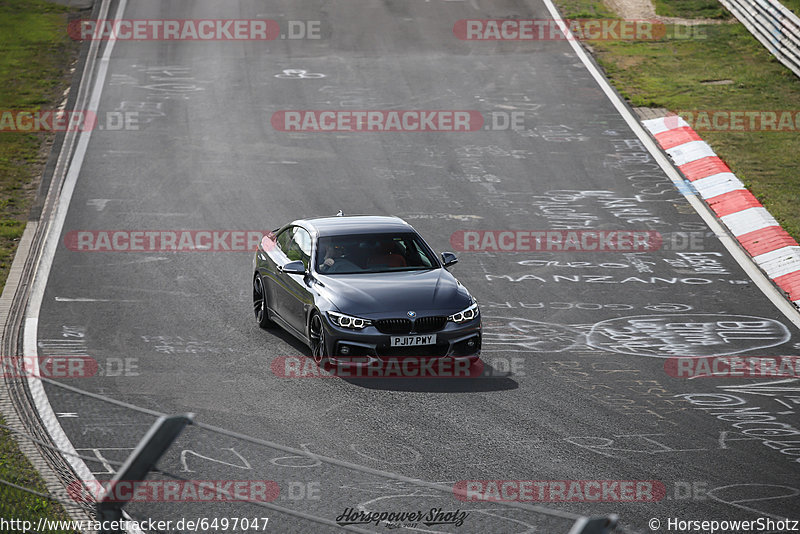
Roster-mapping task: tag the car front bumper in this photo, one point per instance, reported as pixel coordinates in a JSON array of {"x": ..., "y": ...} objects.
[{"x": 368, "y": 346}]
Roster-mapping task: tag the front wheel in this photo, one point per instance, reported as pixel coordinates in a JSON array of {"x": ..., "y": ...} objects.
[
  {"x": 316, "y": 332},
  {"x": 260, "y": 303}
]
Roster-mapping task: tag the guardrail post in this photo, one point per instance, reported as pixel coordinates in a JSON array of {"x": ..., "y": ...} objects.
[{"x": 148, "y": 451}]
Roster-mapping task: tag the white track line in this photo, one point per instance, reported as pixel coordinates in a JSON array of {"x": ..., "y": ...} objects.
[
  {"x": 31, "y": 328},
  {"x": 741, "y": 257}
]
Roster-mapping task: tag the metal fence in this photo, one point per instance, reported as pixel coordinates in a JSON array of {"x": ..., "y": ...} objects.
[
  {"x": 195, "y": 456},
  {"x": 774, "y": 25}
]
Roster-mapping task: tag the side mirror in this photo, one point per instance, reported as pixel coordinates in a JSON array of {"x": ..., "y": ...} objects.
[
  {"x": 293, "y": 267},
  {"x": 448, "y": 259}
]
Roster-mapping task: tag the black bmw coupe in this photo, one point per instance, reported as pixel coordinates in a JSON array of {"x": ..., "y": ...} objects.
[{"x": 357, "y": 289}]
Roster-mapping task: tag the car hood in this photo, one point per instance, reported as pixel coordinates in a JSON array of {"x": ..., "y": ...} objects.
[{"x": 376, "y": 295}]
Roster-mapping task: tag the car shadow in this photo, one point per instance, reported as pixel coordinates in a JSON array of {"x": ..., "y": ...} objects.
[{"x": 486, "y": 378}]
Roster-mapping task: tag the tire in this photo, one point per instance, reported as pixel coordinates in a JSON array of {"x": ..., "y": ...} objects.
[
  {"x": 260, "y": 303},
  {"x": 316, "y": 334}
]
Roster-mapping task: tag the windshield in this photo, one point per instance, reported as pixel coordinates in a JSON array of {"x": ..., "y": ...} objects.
[{"x": 373, "y": 253}]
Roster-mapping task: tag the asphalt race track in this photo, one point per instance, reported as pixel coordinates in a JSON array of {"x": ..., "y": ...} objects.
[{"x": 566, "y": 395}]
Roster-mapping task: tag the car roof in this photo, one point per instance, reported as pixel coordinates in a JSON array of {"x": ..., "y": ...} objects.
[{"x": 355, "y": 224}]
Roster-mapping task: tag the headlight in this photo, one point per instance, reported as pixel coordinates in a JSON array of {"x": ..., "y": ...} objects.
[
  {"x": 465, "y": 315},
  {"x": 348, "y": 321}
]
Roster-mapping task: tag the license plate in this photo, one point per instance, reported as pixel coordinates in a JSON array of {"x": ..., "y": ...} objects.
[{"x": 413, "y": 341}]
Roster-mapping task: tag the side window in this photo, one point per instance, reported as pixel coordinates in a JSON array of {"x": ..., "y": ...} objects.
[
  {"x": 300, "y": 249},
  {"x": 284, "y": 240},
  {"x": 295, "y": 243}
]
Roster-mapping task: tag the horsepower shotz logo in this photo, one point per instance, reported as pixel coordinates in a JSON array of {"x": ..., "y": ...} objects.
[{"x": 433, "y": 517}]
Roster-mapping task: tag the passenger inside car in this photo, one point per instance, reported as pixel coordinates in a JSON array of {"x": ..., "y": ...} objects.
[{"x": 387, "y": 254}]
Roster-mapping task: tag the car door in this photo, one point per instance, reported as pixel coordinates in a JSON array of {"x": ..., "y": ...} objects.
[{"x": 292, "y": 290}]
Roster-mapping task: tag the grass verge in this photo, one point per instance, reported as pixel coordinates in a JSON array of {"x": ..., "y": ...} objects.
[
  {"x": 675, "y": 74},
  {"x": 35, "y": 55},
  {"x": 793, "y": 5}
]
